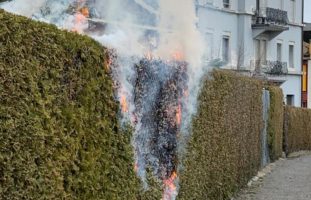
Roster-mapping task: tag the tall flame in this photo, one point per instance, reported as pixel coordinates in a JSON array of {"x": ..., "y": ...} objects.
[
  {"x": 178, "y": 115},
  {"x": 124, "y": 105}
]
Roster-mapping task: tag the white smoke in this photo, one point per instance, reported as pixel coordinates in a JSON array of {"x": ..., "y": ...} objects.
[{"x": 24, "y": 7}]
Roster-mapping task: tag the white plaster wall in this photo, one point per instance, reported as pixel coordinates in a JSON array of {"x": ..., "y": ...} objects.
[
  {"x": 219, "y": 23},
  {"x": 293, "y": 87},
  {"x": 250, "y": 5},
  {"x": 292, "y": 36}
]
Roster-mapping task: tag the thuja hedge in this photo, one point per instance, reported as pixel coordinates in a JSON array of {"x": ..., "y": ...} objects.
[
  {"x": 297, "y": 129},
  {"x": 59, "y": 134},
  {"x": 224, "y": 151},
  {"x": 275, "y": 123}
]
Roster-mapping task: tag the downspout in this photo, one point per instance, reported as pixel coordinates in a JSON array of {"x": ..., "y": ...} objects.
[
  {"x": 257, "y": 6},
  {"x": 302, "y": 60}
]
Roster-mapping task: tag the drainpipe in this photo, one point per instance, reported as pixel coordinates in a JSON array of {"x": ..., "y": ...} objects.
[
  {"x": 302, "y": 60},
  {"x": 257, "y": 6}
]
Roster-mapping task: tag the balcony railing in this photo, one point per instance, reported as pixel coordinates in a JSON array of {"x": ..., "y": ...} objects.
[
  {"x": 270, "y": 67},
  {"x": 267, "y": 16}
]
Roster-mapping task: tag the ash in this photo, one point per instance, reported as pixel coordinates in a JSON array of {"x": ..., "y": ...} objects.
[
  {"x": 157, "y": 92},
  {"x": 159, "y": 87}
]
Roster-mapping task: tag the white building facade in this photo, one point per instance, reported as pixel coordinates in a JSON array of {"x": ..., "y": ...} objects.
[{"x": 257, "y": 37}]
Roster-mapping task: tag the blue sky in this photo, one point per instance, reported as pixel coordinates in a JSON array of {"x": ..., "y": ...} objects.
[{"x": 308, "y": 11}]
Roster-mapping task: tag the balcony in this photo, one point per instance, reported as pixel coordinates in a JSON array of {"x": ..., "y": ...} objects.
[
  {"x": 269, "y": 21},
  {"x": 273, "y": 71}
]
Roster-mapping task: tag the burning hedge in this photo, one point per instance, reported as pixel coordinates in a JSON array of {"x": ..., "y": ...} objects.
[{"x": 59, "y": 130}]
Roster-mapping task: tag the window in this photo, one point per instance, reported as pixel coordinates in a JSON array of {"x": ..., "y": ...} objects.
[
  {"x": 225, "y": 49},
  {"x": 226, "y": 3},
  {"x": 279, "y": 52},
  {"x": 290, "y": 100},
  {"x": 291, "y": 56}
]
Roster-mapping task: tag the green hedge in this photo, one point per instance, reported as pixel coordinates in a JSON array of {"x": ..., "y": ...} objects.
[
  {"x": 225, "y": 149},
  {"x": 275, "y": 123},
  {"x": 59, "y": 134},
  {"x": 297, "y": 129}
]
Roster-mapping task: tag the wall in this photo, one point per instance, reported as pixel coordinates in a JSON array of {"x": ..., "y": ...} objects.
[
  {"x": 234, "y": 22},
  {"x": 292, "y": 86},
  {"x": 226, "y": 25}
]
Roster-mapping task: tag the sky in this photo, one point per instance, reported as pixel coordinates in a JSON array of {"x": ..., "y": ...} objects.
[{"x": 307, "y": 11}]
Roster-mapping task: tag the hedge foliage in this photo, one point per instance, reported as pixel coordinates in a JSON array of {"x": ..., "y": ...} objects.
[
  {"x": 59, "y": 134},
  {"x": 275, "y": 123},
  {"x": 297, "y": 129},
  {"x": 225, "y": 149}
]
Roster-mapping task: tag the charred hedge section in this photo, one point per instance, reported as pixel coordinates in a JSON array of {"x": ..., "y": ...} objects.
[
  {"x": 59, "y": 134},
  {"x": 275, "y": 123},
  {"x": 224, "y": 151},
  {"x": 297, "y": 129}
]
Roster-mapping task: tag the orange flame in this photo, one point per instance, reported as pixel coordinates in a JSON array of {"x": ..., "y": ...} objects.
[
  {"x": 85, "y": 11},
  {"x": 136, "y": 167},
  {"x": 179, "y": 56},
  {"x": 124, "y": 106},
  {"x": 149, "y": 55},
  {"x": 178, "y": 115},
  {"x": 80, "y": 17},
  {"x": 170, "y": 187}
]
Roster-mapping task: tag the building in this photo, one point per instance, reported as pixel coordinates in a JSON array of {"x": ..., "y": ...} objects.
[
  {"x": 306, "y": 67},
  {"x": 257, "y": 37}
]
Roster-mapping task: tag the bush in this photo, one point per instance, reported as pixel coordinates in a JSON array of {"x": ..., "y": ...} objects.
[
  {"x": 225, "y": 149},
  {"x": 297, "y": 129},
  {"x": 59, "y": 134},
  {"x": 275, "y": 123}
]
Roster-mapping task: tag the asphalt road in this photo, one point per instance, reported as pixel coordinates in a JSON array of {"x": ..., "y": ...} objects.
[{"x": 288, "y": 179}]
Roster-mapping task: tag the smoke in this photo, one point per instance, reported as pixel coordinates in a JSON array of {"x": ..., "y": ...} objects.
[
  {"x": 22, "y": 7},
  {"x": 139, "y": 29}
]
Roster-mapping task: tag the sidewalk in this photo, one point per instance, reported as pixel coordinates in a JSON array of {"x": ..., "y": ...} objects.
[{"x": 290, "y": 179}]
